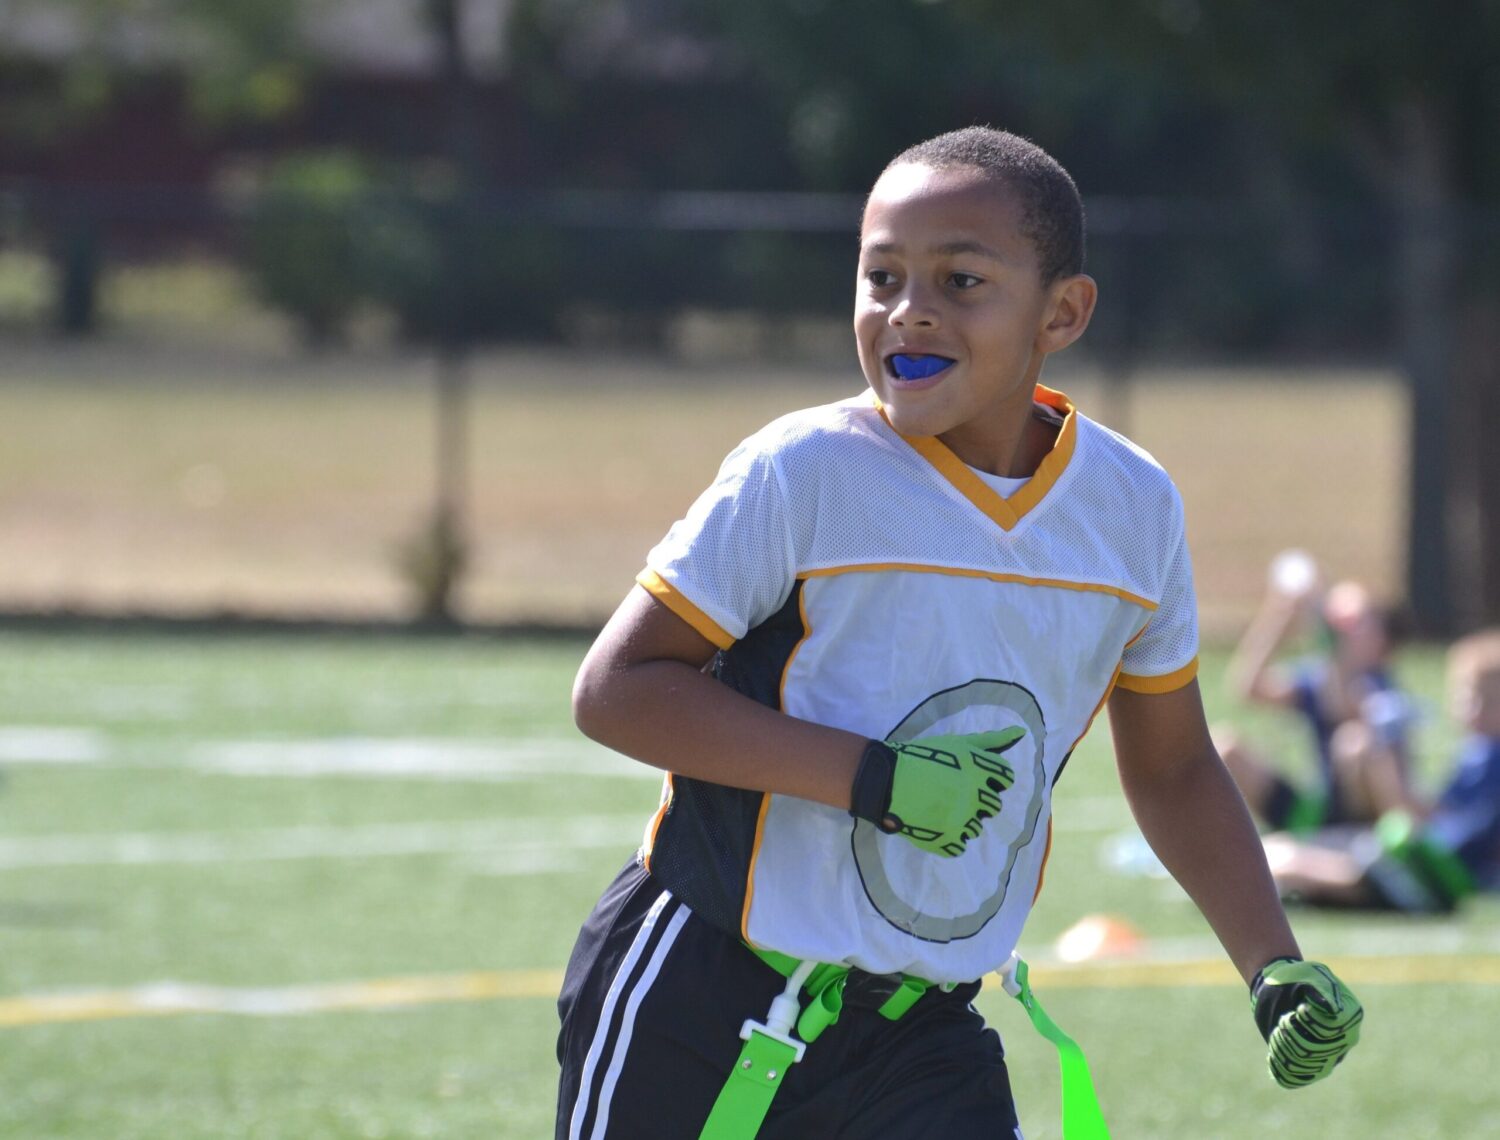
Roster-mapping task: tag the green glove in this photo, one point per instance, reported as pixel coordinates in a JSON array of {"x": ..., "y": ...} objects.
[
  {"x": 1309, "y": 1018},
  {"x": 936, "y": 791}
]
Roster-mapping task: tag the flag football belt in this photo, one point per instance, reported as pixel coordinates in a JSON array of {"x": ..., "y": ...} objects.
[{"x": 770, "y": 1049}]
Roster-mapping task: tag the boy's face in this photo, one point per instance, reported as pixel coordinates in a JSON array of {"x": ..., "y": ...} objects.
[{"x": 947, "y": 278}]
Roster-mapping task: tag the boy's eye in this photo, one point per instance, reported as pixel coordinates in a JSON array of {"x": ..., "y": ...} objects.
[
  {"x": 964, "y": 280},
  {"x": 880, "y": 278}
]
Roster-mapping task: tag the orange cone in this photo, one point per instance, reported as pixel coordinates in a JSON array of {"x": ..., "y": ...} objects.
[{"x": 1096, "y": 936}]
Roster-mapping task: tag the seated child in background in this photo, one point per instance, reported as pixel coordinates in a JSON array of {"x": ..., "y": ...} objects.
[
  {"x": 1431, "y": 858},
  {"x": 1358, "y": 719}
]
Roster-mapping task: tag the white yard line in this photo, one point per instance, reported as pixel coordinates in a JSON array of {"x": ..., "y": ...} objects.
[
  {"x": 163, "y": 999},
  {"x": 423, "y": 758},
  {"x": 45, "y": 744},
  {"x": 370, "y": 757},
  {"x": 529, "y": 844}
]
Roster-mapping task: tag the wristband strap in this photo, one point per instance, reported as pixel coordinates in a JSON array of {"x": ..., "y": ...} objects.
[
  {"x": 870, "y": 794},
  {"x": 1266, "y": 1016},
  {"x": 1260, "y": 974}
]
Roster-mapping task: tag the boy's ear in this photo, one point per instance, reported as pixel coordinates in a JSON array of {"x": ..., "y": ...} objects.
[{"x": 1073, "y": 300}]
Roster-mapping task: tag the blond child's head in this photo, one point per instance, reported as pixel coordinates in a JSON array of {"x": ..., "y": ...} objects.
[{"x": 1474, "y": 682}]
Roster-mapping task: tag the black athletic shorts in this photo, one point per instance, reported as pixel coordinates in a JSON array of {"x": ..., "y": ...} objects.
[{"x": 652, "y": 1006}]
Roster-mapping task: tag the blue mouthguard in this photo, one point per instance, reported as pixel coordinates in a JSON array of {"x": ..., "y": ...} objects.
[{"x": 918, "y": 367}]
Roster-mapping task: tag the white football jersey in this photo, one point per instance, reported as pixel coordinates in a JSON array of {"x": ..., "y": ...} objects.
[{"x": 869, "y": 581}]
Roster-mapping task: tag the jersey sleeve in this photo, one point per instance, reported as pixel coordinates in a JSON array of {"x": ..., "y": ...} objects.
[
  {"x": 728, "y": 565},
  {"x": 1164, "y": 655}
]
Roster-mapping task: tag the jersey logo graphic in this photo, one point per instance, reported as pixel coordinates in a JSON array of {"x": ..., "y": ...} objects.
[{"x": 900, "y": 880}]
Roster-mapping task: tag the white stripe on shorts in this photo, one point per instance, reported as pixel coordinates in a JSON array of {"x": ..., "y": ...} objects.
[
  {"x": 627, "y": 1027},
  {"x": 606, "y": 1015}
]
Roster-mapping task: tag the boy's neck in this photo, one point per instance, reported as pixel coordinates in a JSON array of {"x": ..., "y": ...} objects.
[{"x": 1017, "y": 457}]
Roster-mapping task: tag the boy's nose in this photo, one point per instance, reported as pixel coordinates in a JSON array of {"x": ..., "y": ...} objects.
[{"x": 913, "y": 309}]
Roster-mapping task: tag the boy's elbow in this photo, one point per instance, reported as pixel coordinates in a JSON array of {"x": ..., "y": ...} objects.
[{"x": 589, "y": 703}]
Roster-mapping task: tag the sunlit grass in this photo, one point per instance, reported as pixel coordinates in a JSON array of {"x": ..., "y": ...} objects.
[{"x": 1170, "y": 1062}]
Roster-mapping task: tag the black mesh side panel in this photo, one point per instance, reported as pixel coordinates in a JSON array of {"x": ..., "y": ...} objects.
[{"x": 703, "y": 846}]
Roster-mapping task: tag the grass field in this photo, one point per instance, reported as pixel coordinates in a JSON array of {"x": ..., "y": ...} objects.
[
  {"x": 189, "y": 480},
  {"x": 261, "y": 887}
]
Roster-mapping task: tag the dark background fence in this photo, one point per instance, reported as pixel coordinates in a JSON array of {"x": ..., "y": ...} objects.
[
  {"x": 1188, "y": 278},
  {"x": 1311, "y": 184}
]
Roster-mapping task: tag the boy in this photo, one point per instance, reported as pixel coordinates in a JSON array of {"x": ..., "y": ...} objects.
[
  {"x": 1358, "y": 720},
  {"x": 864, "y": 658},
  {"x": 1431, "y": 859}
]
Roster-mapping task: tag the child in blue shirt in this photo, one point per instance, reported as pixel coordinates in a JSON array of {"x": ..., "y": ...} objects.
[
  {"x": 1356, "y": 717},
  {"x": 1418, "y": 858}
]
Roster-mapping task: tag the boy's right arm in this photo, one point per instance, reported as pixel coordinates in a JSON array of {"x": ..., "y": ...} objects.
[{"x": 643, "y": 691}]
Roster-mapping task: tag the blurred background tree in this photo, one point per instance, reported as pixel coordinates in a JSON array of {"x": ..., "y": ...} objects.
[
  {"x": 232, "y": 63},
  {"x": 1314, "y": 182},
  {"x": 1387, "y": 107}
]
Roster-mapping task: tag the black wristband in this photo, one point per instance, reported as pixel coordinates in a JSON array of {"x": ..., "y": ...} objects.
[
  {"x": 870, "y": 795},
  {"x": 1269, "y": 1005}
]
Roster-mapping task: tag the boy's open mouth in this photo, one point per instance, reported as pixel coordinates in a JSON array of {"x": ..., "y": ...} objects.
[{"x": 915, "y": 366}]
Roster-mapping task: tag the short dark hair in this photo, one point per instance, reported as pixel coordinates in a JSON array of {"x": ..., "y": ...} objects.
[{"x": 1051, "y": 210}]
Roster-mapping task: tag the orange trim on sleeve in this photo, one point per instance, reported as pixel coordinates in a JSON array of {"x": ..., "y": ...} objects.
[
  {"x": 674, "y": 599},
  {"x": 1162, "y": 683}
]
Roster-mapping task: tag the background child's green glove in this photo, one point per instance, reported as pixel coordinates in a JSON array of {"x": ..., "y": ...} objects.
[
  {"x": 1309, "y": 1018},
  {"x": 936, "y": 791}
]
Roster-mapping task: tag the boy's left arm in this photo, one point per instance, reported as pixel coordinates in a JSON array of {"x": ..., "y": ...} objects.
[
  {"x": 1191, "y": 813},
  {"x": 1195, "y": 819}
]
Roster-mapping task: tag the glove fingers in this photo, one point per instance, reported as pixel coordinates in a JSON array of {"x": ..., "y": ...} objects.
[
  {"x": 1291, "y": 1049},
  {"x": 1344, "y": 1015},
  {"x": 1322, "y": 1045},
  {"x": 1301, "y": 1053},
  {"x": 952, "y": 785},
  {"x": 1004, "y": 775},
  {"x": 919, "y": 834},
  {"x": 1319, "y": 1035},
  {"x": 1311, "y": 1020},
  {"x": 998, "y": 741},
  {"x": 1295, "y": 1073}
]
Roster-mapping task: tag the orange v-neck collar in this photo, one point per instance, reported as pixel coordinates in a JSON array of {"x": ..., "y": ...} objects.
[{"x": 1005, "y": 512}]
